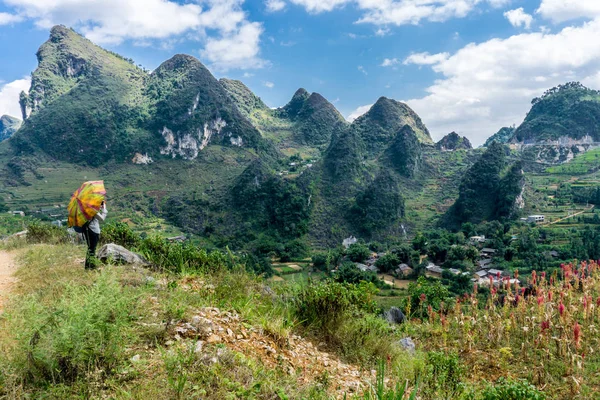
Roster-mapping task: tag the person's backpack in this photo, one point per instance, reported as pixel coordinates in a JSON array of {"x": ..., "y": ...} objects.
[{"x": 81, "y": 229}]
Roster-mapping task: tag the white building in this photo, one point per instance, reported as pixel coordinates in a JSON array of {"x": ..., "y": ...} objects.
[{"x": 536, "y": 218}]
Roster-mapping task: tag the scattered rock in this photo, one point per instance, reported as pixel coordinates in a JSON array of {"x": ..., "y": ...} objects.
[
  {"x": 213, "y": 339},
  {"x": 408, "y": 344},
  {"x": 120, "y": 255},
  {"x": 199, "y": 346},
  {"x": 394, "y": 316}
]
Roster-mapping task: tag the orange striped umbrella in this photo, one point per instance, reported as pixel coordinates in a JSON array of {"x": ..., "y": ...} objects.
[{"x": 85, "y": 202}]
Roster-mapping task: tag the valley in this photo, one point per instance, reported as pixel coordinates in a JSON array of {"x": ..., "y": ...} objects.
[{"x": 267, "y": 232}]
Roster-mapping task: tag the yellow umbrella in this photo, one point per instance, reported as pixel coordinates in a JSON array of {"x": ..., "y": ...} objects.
[{"x": 85, "y": 202}]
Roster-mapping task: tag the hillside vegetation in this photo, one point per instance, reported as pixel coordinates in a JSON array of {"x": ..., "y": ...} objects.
[{"x": 199, "y": 325}]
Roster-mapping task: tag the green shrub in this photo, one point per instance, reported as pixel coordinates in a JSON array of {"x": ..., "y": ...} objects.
[
  {"x": 444, "y": 375},
  {"x": 179, "y": 257},
  {"x": 327, "y": 303},
  {"x": 40, "y": 232},
  {"x": 83, "y": 332},
  {"x": 380, "y": 392},
  {"x": 119, "y": 233},
  {"x": 509, "y": 389}
]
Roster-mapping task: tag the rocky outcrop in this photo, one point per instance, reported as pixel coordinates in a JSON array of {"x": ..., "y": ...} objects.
[
  {"x": 8, "y": 126},
  {"x": 120, "y": 255},
  {"x": 453, "y": 141}
]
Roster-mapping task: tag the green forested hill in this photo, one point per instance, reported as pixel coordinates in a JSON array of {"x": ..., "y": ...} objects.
[
  {"x": 567, "y": 111},
  {"x": 218, "y": 163}
]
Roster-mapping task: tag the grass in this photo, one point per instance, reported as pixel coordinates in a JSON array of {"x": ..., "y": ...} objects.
[
  {"x": 68, "y": 332},
  {"x": 71, "y": 333}
]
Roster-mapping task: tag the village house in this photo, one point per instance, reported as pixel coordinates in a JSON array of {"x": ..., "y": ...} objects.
[
  {"x": 477, "y": 239},
  {"x": 403, "y": 270},
  {"x": 487, "y": 252},
  {"x": 365, "y": 268},
  {"x": 434, "y": 271},
  {"x": 485, "y": 263}
]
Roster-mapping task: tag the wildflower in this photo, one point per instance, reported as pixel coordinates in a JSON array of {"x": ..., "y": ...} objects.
[
  {"x": 561, "y": 308},
  {"x": 577, "y": 334},
  {"x": 516, "y": 274},
  {"x": 545, "y": 325},
  {"x": 533, "y": 277},
  {"x": 423, "y": 297},
  {"x": 475, "y": 289},
  {"x": 549, "y": 296},
  {"x": 540, "y": 300}
]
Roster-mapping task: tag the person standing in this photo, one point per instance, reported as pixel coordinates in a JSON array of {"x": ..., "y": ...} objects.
[{"x": 92, "y": 236}]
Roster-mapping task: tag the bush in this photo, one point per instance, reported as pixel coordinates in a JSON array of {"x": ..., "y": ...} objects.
[
  {"x": 444, "y": 374},
  {"x": 327, "y": 303},
  {"x": 119, "y": 233},
  {"x": 509, "y": 389},
  {"x": 82, "y": 333},
  {"x": 179, "y": 257},
  {"x": 40, "y": 232}
]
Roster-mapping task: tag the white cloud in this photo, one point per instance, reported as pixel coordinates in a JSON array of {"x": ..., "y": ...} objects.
[
  {"x": 390, "y": 62},
  {"x": 381, "y": 32},
  {"x": 358, "y": 112},
  {"x": 6, "y": 18},
  {"x": 362, "y": 69},
  {"x": 270, "y": 85},
  {"x": 9, "y": 96},
  {"x": 489, "y": 85},
  {"x": 248, "y": 75},
  {"x": 499, "y": 3},
  {"x": 317, "y": 6},
  {"x": 565, "y": 10},
  {"x": 274, "y": 5},
  {"x": 401, "y": 12},
  {"x": 115, "y": 21},
  {"x": 237, "y": 50},
  {"x": 518, "y": 18},
  {"x": 426, "y": 58}
]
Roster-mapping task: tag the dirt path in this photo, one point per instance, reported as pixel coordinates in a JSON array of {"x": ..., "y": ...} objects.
[
  {"x": 7, "y": 268},
  {"x": 567, "y": 217}
]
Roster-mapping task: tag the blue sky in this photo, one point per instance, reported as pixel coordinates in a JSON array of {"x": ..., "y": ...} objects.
[{"x": 471, "y": 66}]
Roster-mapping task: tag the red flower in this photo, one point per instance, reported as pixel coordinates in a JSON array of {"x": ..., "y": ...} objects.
[
  {"x": 423, "y": 297},
  {"x": 540, "y": 300},
  {"x": 561, "y": 308},
  {"x": 545, "y": 325},
  {"x": 577, "y": 334},
  {"x": 549, "y": 296}
]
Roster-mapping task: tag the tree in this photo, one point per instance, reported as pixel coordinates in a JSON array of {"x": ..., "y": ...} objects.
[
  {"x": 3, "y": 206},
  {"x": 349, "y": 273},
  {"x": 387, "y": 262},
  {"x": 358, "y": 252}
]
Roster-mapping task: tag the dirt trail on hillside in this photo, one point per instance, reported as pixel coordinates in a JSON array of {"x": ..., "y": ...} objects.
[{"x": 8, "y": 266}]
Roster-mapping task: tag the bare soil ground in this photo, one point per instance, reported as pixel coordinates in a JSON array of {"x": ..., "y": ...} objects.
[{"x": 7, "y": 267}]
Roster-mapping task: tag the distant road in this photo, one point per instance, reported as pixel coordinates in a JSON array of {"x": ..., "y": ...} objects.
[{"x": 570, "y": 216}]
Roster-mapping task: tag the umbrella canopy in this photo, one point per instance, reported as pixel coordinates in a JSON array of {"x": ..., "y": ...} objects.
[{"x": 85, "y": 202}]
